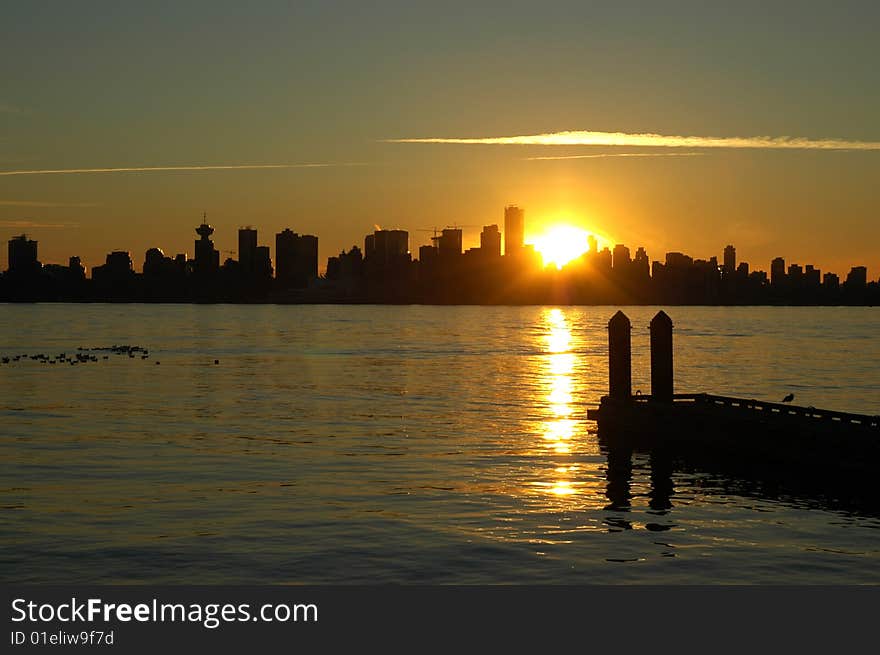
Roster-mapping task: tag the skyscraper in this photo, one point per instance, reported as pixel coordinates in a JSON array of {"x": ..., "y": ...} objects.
[
  {"x": 23, "y": 255},
  {"x": 729, "y": 260},
  {"x": 514, "y": 229},
  {"x": 777, "y": 271},
  {"x": 449, "y": 242},
  {"x": 207, "y": 259},
  {"x": 857, "y": 277},
  {"x": 386, "y": 247},
  {"x": 490, "y": 241},
  {"x": 296, "y": 258},
  {"x": 247, "y": 249},
  {"x": 620, "y": 259}
]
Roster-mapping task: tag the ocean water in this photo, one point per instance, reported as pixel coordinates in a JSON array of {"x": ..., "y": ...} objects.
[{"x": 405, "y": 444}]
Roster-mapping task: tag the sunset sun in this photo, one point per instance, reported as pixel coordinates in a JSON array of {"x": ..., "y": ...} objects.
[{"x": 560, "y": 244}]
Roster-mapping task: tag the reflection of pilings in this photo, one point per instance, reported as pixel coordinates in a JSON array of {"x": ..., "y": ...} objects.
[
  {"x": 619, "y": 355},
  {"x": 619, "y": 476},
  {"x": 661, "y": 481},
  {"x": 661, "y": 357}
]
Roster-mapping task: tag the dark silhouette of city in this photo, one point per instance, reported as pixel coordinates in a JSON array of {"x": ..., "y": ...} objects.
[{"x": 385, "y": 271}]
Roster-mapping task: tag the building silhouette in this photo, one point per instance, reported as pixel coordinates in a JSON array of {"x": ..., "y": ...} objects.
[
  {"x": 514, "y": 229},
  {"x": 207, "y": 258},
  {"x": 729, "y": 260},
  {"x": 490, "y": 241},
  {"x": 449, "y": 243},
  {"x": 443, "y": 274},
  {"x": 23, "y": 256},
  {"x": 296, "y": 259},
  {"x": 247, "y": 250},
  {"x": 777, "y": 272}
]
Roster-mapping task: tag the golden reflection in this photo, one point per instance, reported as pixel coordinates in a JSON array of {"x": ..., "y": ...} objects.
[{"x": 560, "y": 428}]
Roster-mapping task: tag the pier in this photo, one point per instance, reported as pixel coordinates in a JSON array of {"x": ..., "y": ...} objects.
[{"x": 747, "y": 437}]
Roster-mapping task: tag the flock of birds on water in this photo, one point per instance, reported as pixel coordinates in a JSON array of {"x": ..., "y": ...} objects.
[{"x": 83, "y": 355}]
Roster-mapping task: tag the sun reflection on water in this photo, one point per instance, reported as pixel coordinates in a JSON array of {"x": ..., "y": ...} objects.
[{"x": 560, "y": 428}]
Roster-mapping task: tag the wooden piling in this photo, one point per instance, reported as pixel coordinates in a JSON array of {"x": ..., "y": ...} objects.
[
  {"x": 619, "y": 357},
  {"x": 661, "y": 358}
]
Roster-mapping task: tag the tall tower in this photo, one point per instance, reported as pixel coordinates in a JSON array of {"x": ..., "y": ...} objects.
[
  {"x": 207, "y": 258},
  {"x": 729, "y": 259},
  {"x": 514, "y": 229},
  {"x": 490, "y": 241},
  {"x": 23, "y": 255},
  {"x": 449, "y": 242},
  {"x": 247, "y": 249},
  {"x": 777, "y": 271}
]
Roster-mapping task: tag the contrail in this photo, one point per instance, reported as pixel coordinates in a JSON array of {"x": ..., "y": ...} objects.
[
  {"x": 617, "y": 154},
  {"x": 586, "y": 138},
  {"x": 150, "y": 169},
  {"x": 41, "y": 203},
  {"x": 35, "y": 224}
]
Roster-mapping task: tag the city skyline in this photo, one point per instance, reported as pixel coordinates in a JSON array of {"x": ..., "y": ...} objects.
[
  {"x": 248, "y": 249},
  {"x": 567, "y": 267},
  {"x": 676, "y": 128}
]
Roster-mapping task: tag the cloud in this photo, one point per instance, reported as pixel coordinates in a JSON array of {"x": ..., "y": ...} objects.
[
  {"x": 151, "y": 169},
  {"x": 618, "y": 154},
  {"x": 586, "y": 138},
  {"x": 41, "y": 203},
  {"x": 35, "y": 224}
]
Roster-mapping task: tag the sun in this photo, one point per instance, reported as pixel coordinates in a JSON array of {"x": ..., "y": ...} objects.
[{"x": 561, "y": 244}]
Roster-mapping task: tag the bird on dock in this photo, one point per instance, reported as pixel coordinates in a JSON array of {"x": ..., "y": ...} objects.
[{"x": 788, "y": 398}]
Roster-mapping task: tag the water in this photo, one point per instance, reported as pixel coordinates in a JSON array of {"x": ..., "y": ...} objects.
[{"x": 399, "y": 444}]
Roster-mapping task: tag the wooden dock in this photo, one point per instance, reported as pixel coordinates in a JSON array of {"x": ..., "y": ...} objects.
[{"x": 752, "y": 434}]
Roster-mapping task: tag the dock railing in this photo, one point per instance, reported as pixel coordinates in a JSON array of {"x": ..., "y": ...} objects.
[{"x": 771, "y": 409}]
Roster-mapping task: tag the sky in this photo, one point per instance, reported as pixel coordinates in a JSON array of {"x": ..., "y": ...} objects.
[{"x": 678, "y": 126}]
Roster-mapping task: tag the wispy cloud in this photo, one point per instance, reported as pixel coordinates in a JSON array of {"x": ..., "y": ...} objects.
[
  {"x": 586, "y": 138},
  {"x": 36, "y": 224},
  {"x": 42, "y": 203},
  {"x": 152, "y": 169},
  {"x": 617, "y": 154}
]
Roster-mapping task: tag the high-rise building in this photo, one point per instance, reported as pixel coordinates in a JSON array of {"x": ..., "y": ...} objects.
[
  {"x": 641, "y": 263},
  {"x": 593, "y": 244},
  {"x": 247, "y": 250},
  {"x": 156, "y": 263},
  {"x": 262, "y": 263},
  {"x": 490, "y": 241},
  {"x": 77, "y": 270},
  {"x": 857, "y": 277},
  {"x": 678, "y": 260},
  {"x": 386, "y": 247},
  {"x": 449, "y": 242},
  {"x": 117, "y": 269},
  {"x": 831, "y": 281},
  {"x": 296, "y": 258},
  {"x": 729, "y": 260},
  {"x": 514, "y": 229},
  {"x": 777, "y": 271},
  {"x": 620, "y": 257},
  {"x": 23, "y": 255},
  {"x": 207, "y": 259}
]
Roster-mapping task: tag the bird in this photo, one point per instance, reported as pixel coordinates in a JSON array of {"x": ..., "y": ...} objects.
[{"x": 788, "y": 398}]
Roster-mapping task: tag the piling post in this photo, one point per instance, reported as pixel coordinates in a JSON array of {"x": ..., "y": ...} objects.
[
  {"x": 661, "y": 357},
  {"x": 619, "y": 356}
]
